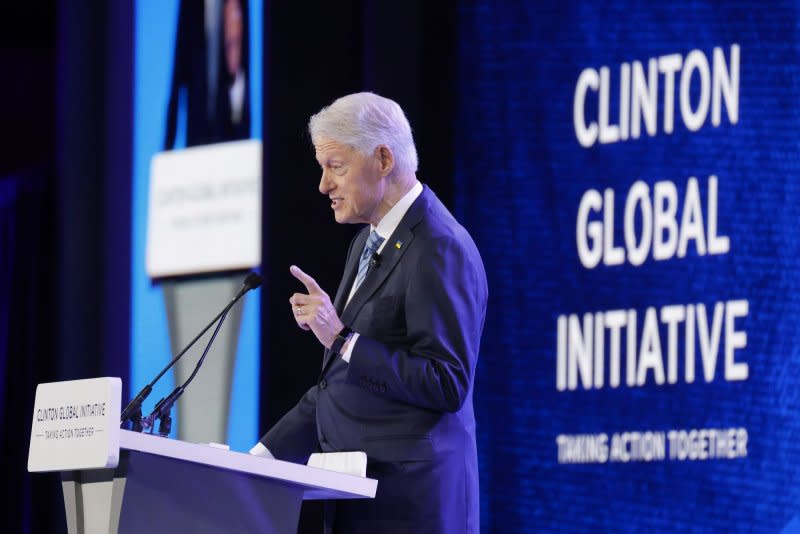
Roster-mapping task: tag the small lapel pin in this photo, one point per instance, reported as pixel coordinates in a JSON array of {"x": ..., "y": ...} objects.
[{"x": 398, "y": 244}]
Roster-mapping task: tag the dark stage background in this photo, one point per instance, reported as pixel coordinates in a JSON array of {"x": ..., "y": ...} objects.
[{"x": 490, "y": 90}]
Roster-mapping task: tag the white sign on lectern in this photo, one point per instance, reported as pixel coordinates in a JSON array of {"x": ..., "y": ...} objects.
[{"x": 76, "y": 425}]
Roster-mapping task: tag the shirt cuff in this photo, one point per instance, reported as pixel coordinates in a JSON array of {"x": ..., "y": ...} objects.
[
  {"x": 260, "y": 450},
  {"x": 350, "y": 344}
]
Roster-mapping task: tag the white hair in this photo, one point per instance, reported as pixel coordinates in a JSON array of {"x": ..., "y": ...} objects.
[{"x": 364, "y": 121}]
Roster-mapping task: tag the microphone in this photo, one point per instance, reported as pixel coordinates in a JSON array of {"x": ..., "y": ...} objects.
[
  {"x": 252, "y": 281},
  {"x": 133, "y": 411},
  {"x": 375, "y": 261}
]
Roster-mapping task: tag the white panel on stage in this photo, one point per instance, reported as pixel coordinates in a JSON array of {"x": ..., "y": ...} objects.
[{"x": 204, "y": 209}]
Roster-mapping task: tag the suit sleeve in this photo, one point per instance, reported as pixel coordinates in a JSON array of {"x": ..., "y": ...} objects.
[
  {"x": 445, "y": 307},
  {"x": 294, "y": 437}
]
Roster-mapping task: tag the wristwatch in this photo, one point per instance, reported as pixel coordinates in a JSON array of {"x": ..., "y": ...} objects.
[{"x": 341, "y": 339}]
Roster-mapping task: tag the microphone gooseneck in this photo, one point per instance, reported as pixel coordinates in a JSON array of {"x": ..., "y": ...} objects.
[
  {"x": 161, "y": 411},
  {"x": 133, "y": 411}
]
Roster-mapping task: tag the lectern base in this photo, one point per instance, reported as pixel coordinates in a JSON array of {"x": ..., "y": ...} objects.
[{"x": 93, "y": 500}]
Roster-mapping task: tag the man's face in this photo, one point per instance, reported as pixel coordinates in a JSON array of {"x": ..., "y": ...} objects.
[
  {"x": 233, "y": 29},
  {"x": 352, "y": 181}
]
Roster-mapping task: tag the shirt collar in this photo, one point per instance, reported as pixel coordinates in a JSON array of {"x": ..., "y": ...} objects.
[{"x": 391, "y": 220}]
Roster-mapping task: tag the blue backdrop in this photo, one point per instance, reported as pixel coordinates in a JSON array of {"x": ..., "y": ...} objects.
[{"x": 523, "y": 175}]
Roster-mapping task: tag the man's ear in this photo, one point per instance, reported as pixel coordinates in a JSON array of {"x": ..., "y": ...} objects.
[{"x": 385, "y": 159}]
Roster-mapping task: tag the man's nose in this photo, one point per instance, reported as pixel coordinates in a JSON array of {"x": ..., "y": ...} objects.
[{"x": 324, "y": 183}]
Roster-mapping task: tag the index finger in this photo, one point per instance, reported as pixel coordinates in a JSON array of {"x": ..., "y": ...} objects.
[{"x": 308, "y": 281}]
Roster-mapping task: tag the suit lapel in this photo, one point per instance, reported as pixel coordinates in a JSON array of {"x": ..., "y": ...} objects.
[
  {"x": 396, "y": 246},
  {"x": 390, "y": 256},
  {"x": 350, "y": 270}
]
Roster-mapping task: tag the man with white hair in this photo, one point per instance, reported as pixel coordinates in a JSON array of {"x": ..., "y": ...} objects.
[{"x": 401, "y": 337}]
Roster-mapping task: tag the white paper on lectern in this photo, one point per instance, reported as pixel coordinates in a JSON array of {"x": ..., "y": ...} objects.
[
  {"x": 75, "y": 425},
  {"x": 350, "y": 463},
  {"x": 204, "y": 209}
]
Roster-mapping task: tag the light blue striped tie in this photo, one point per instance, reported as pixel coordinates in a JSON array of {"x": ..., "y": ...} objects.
[{"x": 371, "y": 247}]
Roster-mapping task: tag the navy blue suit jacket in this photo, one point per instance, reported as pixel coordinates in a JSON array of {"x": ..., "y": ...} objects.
[{"x": 405, "y": 398}]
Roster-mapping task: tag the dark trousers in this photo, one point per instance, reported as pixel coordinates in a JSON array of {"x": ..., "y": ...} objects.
[{"x": 411, "y": 498}]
